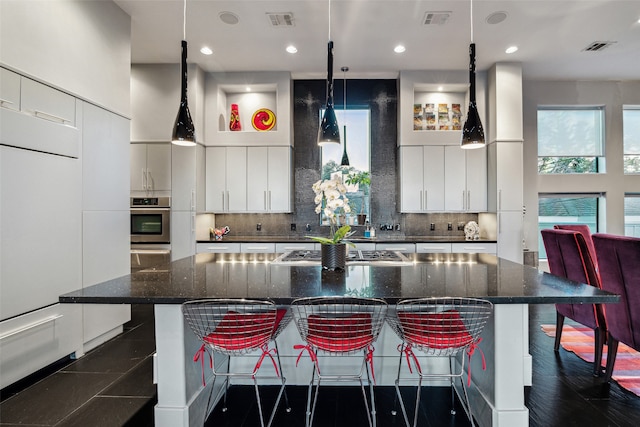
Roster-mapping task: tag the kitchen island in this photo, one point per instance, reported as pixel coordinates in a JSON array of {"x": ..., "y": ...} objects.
[{"x": 497, "y": 393}]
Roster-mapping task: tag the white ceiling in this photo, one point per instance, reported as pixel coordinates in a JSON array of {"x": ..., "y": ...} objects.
[{"x": 550, "y": 34}]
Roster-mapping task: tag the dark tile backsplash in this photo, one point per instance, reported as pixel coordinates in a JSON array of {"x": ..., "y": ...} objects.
[{"x": 381, "y": 96}]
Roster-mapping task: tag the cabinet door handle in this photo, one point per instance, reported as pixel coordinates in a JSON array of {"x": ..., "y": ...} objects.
[
  {"x": 228, "y": 198},
  {"x": 5, "y": 101},
  {"x": 269, "y": 206},
  {"x": 222, "y": 199},
  {"x": 499, "y": 200},
  {"x": 149, "y": 180},
  {"x": 463, "y": 201},
  {"x": 31, "y": 326},
  {"x": 422, "y": 200},
  {"x": 265, "y": 202},
  {"x": 468, "y": 200},
  {"x": 144, "y": 179},
  {"x": 193, "y": 200},
  {"x": 51, "y": 117}
]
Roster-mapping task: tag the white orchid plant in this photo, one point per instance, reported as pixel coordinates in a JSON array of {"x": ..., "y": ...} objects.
[{"x": 331, "y": 199}]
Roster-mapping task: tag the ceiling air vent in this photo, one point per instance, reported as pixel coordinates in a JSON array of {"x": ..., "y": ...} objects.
[
  {"x": 597, "y": 46},
  {"x": 436, "y": 18},
  {"x": 281, "y": 19}
]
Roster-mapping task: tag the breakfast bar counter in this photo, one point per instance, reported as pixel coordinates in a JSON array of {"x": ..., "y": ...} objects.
[{"x": 497, "y": 394}]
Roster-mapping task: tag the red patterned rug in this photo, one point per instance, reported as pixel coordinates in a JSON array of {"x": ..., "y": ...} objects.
[{"x": 579, "y": 339}]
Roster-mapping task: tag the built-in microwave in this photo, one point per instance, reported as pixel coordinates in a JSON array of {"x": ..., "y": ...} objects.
[{"x": 150, "y": 219}]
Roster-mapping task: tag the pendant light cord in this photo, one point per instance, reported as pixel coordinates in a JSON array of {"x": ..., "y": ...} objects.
[
  {"x": 329, "y": 19},
  {"x": 184, "y": 21},
  {"x": 471, "y": 19}
]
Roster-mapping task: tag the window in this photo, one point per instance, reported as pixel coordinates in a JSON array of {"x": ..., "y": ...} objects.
[
  {"x": 631, "y": 132},
  {"x": 632, "y": 215},
  {"x": 566, "y": 209},
  {"x": 357, "y": 122},
  {"x": 570, "y": 140}
]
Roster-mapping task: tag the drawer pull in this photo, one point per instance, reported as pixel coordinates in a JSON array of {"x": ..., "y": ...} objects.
[
  {"x": 51, "y": 117},
  {"x": 31, "y": 326},
  {"x": 5, "y": 101}
]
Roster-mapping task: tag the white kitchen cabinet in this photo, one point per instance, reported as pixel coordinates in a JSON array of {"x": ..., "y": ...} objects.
[
  {"x": 150, "y": 167},
  {"x": 442, "y": 178},
  {"x": 105, "y": 217},
  {"x": 262, "y": 248},
  {"x": 37, "y": 117},
  {"x": 269, "y": 179},
  {"x": 506, "y": 186},
  {"x": 407, "y": 248},
  {"x": 9, "y": 90},
  {"x": 296, "y": 246},
  {"x": 218, "y": 248},
  {"x": 473, "y": 247},
  {"x": 105, "y": 152},
  {"x": 429, "y": 248},
  {"x": 422, "y": 178},
  {"x": 226, "y": 179},
  {"x": 40, "y": 223}
]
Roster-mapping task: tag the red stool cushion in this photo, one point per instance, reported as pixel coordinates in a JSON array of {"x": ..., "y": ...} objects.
[
  {"x": 340, "y": 334},
  {"x": 435, "y": 330},
  {"x": 238, "y": 331}
]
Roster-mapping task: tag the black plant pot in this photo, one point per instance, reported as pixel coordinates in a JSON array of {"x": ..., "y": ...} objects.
[{"x": 334, "y": 256}]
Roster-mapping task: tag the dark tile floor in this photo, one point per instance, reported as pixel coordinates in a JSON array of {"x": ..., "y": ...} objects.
[{"x": 112, "y": 386}]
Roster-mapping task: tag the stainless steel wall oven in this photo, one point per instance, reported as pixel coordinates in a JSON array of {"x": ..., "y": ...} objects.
[{"x": 150, "y": 220}]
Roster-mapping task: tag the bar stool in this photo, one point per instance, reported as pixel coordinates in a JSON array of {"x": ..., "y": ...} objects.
[
  {"x": 234, "y": 328},
  {"x": 339, "y": 326},
  {"x": 441, "y": 327}
]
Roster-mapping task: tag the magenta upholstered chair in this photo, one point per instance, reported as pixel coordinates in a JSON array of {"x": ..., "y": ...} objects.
[
  {"x": 569, "y": 256},
  {"x": 619, "y": 260},
  {"x": 586, "y": 233}
]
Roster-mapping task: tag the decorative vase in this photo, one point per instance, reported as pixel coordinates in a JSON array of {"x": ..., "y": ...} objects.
[
  {"x": 334, "y": 256},
  {"x": 234, "y": 121}
]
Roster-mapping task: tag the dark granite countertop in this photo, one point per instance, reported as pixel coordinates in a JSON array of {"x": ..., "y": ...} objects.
[
  {"x": 209, "y": 275},
  {"x": 380, "y": 238}
]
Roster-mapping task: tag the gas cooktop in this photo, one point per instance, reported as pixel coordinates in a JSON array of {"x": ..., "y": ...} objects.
[{"x": 354, "y": 257}]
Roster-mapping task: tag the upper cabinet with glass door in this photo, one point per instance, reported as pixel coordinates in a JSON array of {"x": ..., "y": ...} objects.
[{"x": 258, "y": 103}]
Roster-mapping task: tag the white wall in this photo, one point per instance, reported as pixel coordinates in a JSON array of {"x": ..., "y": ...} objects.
[
  {"x": 81, "y": 47},
  {"x": 612, "y": 95}
]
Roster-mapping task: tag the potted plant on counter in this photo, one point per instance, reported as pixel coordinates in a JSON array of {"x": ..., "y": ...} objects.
[
  {"x": 330, "y": 199},
  {"x": 361, "y": 179}
]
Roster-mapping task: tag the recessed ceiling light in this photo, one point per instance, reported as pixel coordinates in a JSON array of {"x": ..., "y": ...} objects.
[
  {"x": 248, "y": 89},
  {"x": 440, "y": 88},
  {"x": 511, "y": 49},
  {"x": 496, "y": 17},
  {"x": 292, "y": 49},
  {"x": 399, "y": 49},
  {"x": 205, "y": 50},
  {"x": 229, "y": 18}
]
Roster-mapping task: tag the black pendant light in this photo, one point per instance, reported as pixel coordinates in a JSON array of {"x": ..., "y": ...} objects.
[
  {"x": 472, "y": 131},
  {"x": 329, "y": 132},
  {"x": 345, "y": 158},
  {"x": 184, "y": 132}
]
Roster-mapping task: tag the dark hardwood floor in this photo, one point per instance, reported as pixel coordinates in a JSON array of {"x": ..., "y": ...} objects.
[{"x": 112, "y": 386}]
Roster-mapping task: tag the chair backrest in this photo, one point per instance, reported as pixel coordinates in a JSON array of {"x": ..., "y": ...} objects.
[
  {"x": 619, "y": 261},
  {"x": 586, "y": 233},
  {"x": 569, "y": 256},
  {"x": 339, "y": 324},
  {"x": 232, "y": 326},
  {"x": 441, "y": 326}
]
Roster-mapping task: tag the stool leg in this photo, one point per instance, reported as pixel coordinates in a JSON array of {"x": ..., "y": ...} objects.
[
  {"x": 255, "y": 385},
  {"x": 284, "y": 380},
  {"x": 451, "y": 381},
  {"x": 415, "y": 413},
  {"x": 370, "y": 415},
  {"x": 308, "y": 412},
  {"x": 225, "y": 386}
]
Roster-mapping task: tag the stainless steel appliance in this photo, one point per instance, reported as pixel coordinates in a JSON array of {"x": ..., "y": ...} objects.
[
  {"x": 150, "y": 232},
  {"x": 150, "y": 220}
]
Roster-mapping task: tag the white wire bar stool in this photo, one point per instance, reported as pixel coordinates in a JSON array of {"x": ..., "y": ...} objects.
[
  {"x": 339, "y": 326},
  {"x": 439, "y": 327},
  {"x": 234, "y": 328}
]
